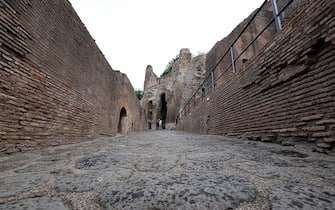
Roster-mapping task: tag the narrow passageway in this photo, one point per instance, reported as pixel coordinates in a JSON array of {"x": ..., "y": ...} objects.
[
  {"x": 168, "y": 170},
  {"x": 122, "y": 127}
]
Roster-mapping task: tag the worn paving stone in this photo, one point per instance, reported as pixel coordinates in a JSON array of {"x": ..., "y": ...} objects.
[
  {"x": 264, "y": 157},
  {"x": 262, "y": 170},
  {"x": 43, "y": 166},
  {"x": 6, "y": 166},
  {"x": 156, "y": 163},
  {"x": 45, "y": 203},
  {"x": 13, "y": 185},
  {"x": 91, "y": 180},
  {"x": 201, "y": 166},
  {"x": 168, "y": 170},
  {"x": 297, "y": 196},
  {"x": 210, "y": 156},
  {"x": 103, "y": 161},
  {"x": 180, "y": 191},
  {"x": 289, "y": 153}
]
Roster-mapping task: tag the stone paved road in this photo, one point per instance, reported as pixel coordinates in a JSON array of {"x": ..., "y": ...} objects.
[{"x": 168, "y": 170}]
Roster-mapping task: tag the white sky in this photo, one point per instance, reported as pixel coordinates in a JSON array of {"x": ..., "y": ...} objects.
[{"x": 135, "y": 33}]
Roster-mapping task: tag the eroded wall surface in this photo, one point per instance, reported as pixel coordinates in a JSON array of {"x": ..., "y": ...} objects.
[{"x": 56, "y": 87}]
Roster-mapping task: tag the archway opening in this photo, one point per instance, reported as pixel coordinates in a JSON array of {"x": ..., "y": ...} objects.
[
  {"x": 163, "y": 109},
  {"x": 150, "y": 105},
  {"x": 122, "y": 127}
]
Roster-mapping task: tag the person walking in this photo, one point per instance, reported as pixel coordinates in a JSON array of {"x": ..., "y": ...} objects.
[
  {"x": 160, "y": 123},
  {"x": 157, "y": 124}
]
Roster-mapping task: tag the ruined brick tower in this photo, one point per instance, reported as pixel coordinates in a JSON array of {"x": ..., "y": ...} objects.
[{"x": 163, "y": 97}]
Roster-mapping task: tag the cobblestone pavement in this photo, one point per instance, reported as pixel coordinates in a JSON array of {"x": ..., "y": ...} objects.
[{"x": 168, "y": 170}]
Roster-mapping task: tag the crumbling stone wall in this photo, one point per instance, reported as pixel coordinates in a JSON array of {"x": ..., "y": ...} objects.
[
  {"x": 56, "y": 87},
  {"x": 284, "y": 93},
  {"x": 151, "y": 79},
  {"x": 177, "y": 86}
]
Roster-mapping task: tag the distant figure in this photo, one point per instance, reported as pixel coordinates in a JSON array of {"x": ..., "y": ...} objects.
[
  {"x": 157, "y": 124},
  {"x": 160, "y": 123}
]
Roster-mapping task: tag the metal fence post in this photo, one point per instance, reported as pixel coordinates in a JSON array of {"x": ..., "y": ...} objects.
[
  {"x": 232, "y": 58},
  {"x": 276, "y": 15},
  {"x": 212, "y": 77}
]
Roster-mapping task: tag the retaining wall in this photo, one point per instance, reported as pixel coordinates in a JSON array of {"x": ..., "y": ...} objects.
[
  {"x": 56, "y": 87},
  {"x": 286, "y": 92}
]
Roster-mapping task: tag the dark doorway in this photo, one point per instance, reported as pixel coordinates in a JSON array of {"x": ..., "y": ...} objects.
[
  {"x": 122, "y": 128},
  {"x": 150, "y": 105},
  {"x": 163, "y": 109}
]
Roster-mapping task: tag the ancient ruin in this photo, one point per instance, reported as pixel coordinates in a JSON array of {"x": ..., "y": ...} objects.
[
  {"x": 260, "y": 82},
  {"x": 163, "y": 97},
  {"x": 63, "y": 108}
]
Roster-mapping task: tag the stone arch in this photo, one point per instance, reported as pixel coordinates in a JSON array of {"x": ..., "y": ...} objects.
[{"x": 122, "y": 127}]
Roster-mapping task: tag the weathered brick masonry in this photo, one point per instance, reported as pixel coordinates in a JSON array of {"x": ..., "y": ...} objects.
[
  {"x": 285, "y": 92},
  {"x": 56, "y": 87}
]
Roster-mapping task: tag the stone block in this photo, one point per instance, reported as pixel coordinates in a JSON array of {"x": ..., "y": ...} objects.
[
  {"x": 28, "y": 129},
  {"x": 285, "y": 130},
  {"x": 321, "y": 134},
  {"x": 233, "y": 134},
  {"x": 328, "y": 121},
  {"x": 324, "y": 145},
  {"x": 288, "y": 143},
  {"x": 312, "y": 117},
  {"x": 253, "y": 136},
  {"x": 329, "y": 140},
  {"x": 300, "y": 134},
  {"x": 312, "y": 139},
  {"x": 314, "y": 128},
  {"x": 268, "y": 137},
  {"x": 12, "y": 150}
]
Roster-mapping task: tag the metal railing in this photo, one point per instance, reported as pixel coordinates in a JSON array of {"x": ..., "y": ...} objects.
[{"x": 208, "y": 85}]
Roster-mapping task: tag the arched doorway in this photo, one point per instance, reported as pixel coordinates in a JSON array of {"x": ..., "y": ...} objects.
[
  {"x": 163, "y": 109},
  {"x": 150, "y": 105},
  {"x": 122, "y": 127}
]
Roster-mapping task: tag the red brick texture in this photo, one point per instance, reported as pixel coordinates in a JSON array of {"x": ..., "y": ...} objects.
[
  {"x": 56, "y": 87},
  {"x": 285, "y": 92}
]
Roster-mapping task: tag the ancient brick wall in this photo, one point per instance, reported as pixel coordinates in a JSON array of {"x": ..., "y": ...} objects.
[
  {"x": 56, "y": 86},
  {"x": 286, "y": 92},
  {"x": 214, "y": 56}
]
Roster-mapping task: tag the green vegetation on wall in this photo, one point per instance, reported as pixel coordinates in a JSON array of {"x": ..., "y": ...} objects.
[
  {"x": 169, "y": 66},
  {"x": 139, "y": 93}
]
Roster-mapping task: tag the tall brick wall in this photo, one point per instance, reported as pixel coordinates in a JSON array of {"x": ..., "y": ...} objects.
[
  {"x": 221, "y": 47},
  {"x": 56, "y": 87},
  {"x": 286, "y": 92}
]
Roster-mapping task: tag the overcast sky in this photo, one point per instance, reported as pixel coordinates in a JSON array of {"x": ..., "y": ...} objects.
[{"x": 135, "y": 33}]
